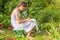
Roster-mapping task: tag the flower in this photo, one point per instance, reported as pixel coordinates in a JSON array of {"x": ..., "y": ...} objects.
[
  {"x": 1, "y": 26},
  {"x": 11, "y": 39},
  {"x": 10, "y": 27}
]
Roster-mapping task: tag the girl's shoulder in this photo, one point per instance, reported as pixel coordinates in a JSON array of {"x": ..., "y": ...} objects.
[{"x": 14, "y": 11}]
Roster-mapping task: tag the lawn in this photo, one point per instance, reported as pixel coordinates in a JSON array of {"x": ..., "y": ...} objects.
[
  {"x": 51, "y": 34},
  {"x": 10, "y": 35}
]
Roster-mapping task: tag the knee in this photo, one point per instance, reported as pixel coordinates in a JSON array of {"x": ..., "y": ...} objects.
[
  {"x": 34, "y": 20},
  {"x": 33, "y": 23}
]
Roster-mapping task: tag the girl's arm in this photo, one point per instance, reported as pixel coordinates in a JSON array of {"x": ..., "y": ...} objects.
[{"x": 18, "y": 18}]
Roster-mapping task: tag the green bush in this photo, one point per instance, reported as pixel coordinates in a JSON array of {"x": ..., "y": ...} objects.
[{"x": 44, "y": 11}]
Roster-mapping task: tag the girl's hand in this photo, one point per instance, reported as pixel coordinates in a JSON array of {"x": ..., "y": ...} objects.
[{"x": 28, "y": 18}]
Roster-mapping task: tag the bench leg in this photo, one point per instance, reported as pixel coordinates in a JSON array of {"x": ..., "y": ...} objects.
[
  {"x": 22, "y": 32},
  {"x": 16, "y": 33}
]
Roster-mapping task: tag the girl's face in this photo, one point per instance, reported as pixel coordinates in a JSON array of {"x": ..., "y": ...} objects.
[{"x": 22, "y": 8}]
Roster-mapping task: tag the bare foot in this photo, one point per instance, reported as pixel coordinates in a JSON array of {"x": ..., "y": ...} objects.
[{"x": 30, "y": 38}]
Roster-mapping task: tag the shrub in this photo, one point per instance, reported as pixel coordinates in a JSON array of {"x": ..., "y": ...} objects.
[{"x": 44, "y": 11}]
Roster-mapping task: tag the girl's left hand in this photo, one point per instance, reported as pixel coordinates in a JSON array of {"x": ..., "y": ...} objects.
[{"x": 28, "y": 18}]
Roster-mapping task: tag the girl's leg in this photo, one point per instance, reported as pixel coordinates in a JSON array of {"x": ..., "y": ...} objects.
[
  {"x": 36, "y": 25},
  {"x": 34, "y": 20},
  {"x": 32, "y": 25}
]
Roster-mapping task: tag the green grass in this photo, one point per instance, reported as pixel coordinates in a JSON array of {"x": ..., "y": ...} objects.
[
  {"x": 11, "y": 34},
  {"x": 37, "y": 36},
  {"x": 51, "y": 34}
]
